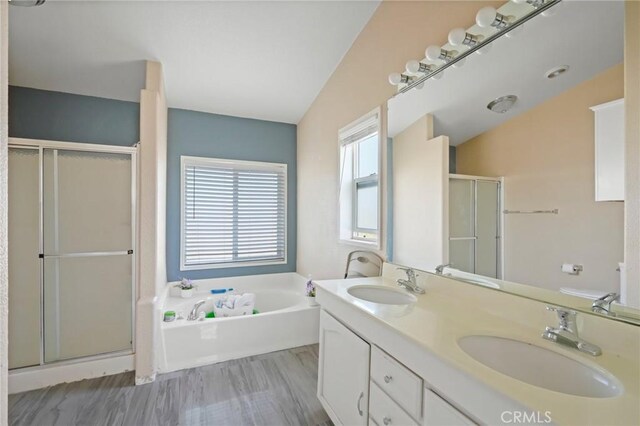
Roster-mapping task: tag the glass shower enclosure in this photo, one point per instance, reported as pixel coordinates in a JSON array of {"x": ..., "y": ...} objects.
[
  {"x": 71, "y": 251},
  {"x": 474, "y": 225}
]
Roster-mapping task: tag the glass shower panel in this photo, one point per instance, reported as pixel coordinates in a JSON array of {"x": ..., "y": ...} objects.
[
  {"x": 487, "y": 232},
  {"x": 87, "y": 306},
  {"x": 461, "y": 255},
  {"x": 87, "y": 231},
  {"x": 461, "y": 206},
  {"x": 87, "y": 201},
  {"x": 24, "y": 265}
]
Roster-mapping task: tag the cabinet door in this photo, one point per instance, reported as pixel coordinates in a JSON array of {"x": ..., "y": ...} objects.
[
  {"x": 343, "y": 377},
  {"x": 438, "y": 412}
]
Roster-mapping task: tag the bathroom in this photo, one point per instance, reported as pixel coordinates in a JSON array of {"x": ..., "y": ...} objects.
[{"x": 324, "y": 212}]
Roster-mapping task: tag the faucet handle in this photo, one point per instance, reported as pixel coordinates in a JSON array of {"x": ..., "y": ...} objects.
[
  {"x": 411, "y": 273},
  {"x": 567, "y": 317}
]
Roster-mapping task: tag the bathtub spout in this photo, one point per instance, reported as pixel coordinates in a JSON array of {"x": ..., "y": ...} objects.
[{"x": 193, "y": 315}]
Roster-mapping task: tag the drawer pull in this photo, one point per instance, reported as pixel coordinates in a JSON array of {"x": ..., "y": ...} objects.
[
  {"x": 358, "y": 405},
  {"x": 386, "y": 420},
  {"x": 387, "y": 378}
]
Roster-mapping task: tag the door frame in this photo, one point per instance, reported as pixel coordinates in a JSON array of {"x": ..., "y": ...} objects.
[{"x": 40, "y": 145}]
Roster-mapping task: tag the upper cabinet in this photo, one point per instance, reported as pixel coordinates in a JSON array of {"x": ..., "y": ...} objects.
[{"x": 609, "y": 153}]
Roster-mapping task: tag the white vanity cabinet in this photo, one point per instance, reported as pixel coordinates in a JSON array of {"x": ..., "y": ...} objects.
[
  {"x": 343, "y": 373},
  {"x": 359, "y": 384},
  {"x": 609, "y": 150}
]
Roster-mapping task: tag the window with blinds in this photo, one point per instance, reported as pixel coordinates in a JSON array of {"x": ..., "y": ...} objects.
[
  {"x": 234, "y": 213},
  {"x": 359, "y": 180}
]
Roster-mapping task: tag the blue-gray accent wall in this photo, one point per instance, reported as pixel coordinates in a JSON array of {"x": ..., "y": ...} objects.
[
  {"x": 218, "y": 136},
  {"x": 40, "y": 114}
]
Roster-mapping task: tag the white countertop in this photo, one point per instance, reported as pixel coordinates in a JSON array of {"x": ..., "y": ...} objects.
[{"x": 424, "y": 337}]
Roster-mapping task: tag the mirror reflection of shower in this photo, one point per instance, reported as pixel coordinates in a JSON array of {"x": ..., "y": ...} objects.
[{"x": 475, "y": 237}]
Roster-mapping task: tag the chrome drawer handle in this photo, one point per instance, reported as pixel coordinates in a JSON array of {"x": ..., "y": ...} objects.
[
  {"x": 387, "y": 378},
  {"x": 386, "y": 421},
  {"x": 358, "y": 405}
]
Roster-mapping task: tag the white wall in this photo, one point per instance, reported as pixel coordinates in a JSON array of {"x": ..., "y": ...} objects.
[
  {"x": 4, "y": 266},
  {"x": 152, "y": 271},
  {"x": 420, "y": 196},
  {"x": 632, "y": 154}
]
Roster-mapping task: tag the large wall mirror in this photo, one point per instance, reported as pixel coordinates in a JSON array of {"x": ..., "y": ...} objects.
[{"x": 510, "y": 167}]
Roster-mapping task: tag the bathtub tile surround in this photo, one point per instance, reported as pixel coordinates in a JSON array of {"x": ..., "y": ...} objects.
[
  {"x": 272, "y": 389},
  {"x": 284, "y": 320},
  {"x": 201, "y": 134}
]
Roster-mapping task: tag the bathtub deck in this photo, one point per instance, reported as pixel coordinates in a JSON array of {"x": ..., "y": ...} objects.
[{"x": 273, "y": 389}]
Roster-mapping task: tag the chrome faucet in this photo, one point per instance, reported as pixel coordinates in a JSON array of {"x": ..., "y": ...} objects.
[
  {"x": 440, "y": 268},
  {"x": 193, "y": 315},
  {"x": 603, "y": 304},
  {"x": 410, "y": 282},
  {"x": 567, "y": 332}
]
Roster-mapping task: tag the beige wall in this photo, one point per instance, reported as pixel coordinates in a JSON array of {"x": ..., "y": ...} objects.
[
  {"x": 398, "y": 31},
  {"x": 546, "y": 156}
]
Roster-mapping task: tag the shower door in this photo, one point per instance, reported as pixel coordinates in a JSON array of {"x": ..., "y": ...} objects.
[
  {"x": 474, "y": 225},
  {"x": 84, "y": 257}
]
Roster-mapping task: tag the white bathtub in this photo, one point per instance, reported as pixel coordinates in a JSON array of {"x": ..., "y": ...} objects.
[{"x": 285, "y": 320}]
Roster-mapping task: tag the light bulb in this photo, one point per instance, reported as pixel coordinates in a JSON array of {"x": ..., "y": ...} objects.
[
  {"x": 519, "y": 1},
  {"x": 395, "y": 78},
  {"x": 486, "y": 16},
  {"x": 457, "y": 36},
  {"x": 514, "y": 32},
  {"x": 433, "y": 53},
  {"x": 438, "y": 76},
  {"x": 420, "y": 86},
  {"x": 413, "y": 66},
  {"x": 460, "y": 63}
]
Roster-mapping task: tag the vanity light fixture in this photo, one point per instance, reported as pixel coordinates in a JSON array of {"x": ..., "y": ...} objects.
[
  {"x": 502, "y": 104},
  {"x": 490, "y": 17},
  {"x": 26, "y": 3},
  {"x": 437, "y": 53},
  {"x": 415, "y": 67},
  {"x": 460, "y": 37},
  {"x": 508, "y": 24},
  {"x": 557, "y": 71},
  {"x": 396, "y": 78},
  {"x": 534, "y": 3}
]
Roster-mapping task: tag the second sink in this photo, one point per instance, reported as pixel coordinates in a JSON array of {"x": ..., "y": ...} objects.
[
  {"x": 381, "y": 294},
  {"x": 540, "y": 367}
]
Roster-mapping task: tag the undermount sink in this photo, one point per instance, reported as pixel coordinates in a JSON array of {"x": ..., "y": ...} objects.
[
  {"x": 381, "y": 294},
  {"x": 540, "y": 367}
]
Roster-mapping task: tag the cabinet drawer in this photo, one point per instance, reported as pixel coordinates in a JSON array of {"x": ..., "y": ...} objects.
[
  {"x": 400, "y": 383},
  {"x": 383, "y": 411}
]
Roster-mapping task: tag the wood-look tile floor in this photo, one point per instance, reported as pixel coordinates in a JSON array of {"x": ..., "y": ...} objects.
[{"x": 278, "y": 388}]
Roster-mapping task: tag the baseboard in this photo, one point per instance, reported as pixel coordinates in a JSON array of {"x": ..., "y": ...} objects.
[{"x": 26, "y": 379}]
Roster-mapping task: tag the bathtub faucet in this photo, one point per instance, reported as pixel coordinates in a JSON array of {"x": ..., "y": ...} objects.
[{"x": 193, "y": 315}]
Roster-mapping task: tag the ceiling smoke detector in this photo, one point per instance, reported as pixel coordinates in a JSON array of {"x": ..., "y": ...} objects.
[
  {"x": 557, "y": 71},
  {"x": 502, "y": 104},
  {"x": 26, "y": 3}
]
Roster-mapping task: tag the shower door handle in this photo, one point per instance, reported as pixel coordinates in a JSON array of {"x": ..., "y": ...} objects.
[{"x": 86, "y": 254}]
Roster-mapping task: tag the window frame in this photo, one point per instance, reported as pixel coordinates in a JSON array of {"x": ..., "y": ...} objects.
[
  {"x": 211, "y": 161},
  {"x": 353, "y": 239}
]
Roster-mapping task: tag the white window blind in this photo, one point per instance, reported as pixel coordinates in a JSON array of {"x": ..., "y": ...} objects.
[{"x": 233, "y": 213}]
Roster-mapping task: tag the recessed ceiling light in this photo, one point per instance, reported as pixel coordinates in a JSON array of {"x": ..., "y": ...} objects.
[
  {"x": 555, "y": 72},
  {"x": 502, "y": 104}
]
